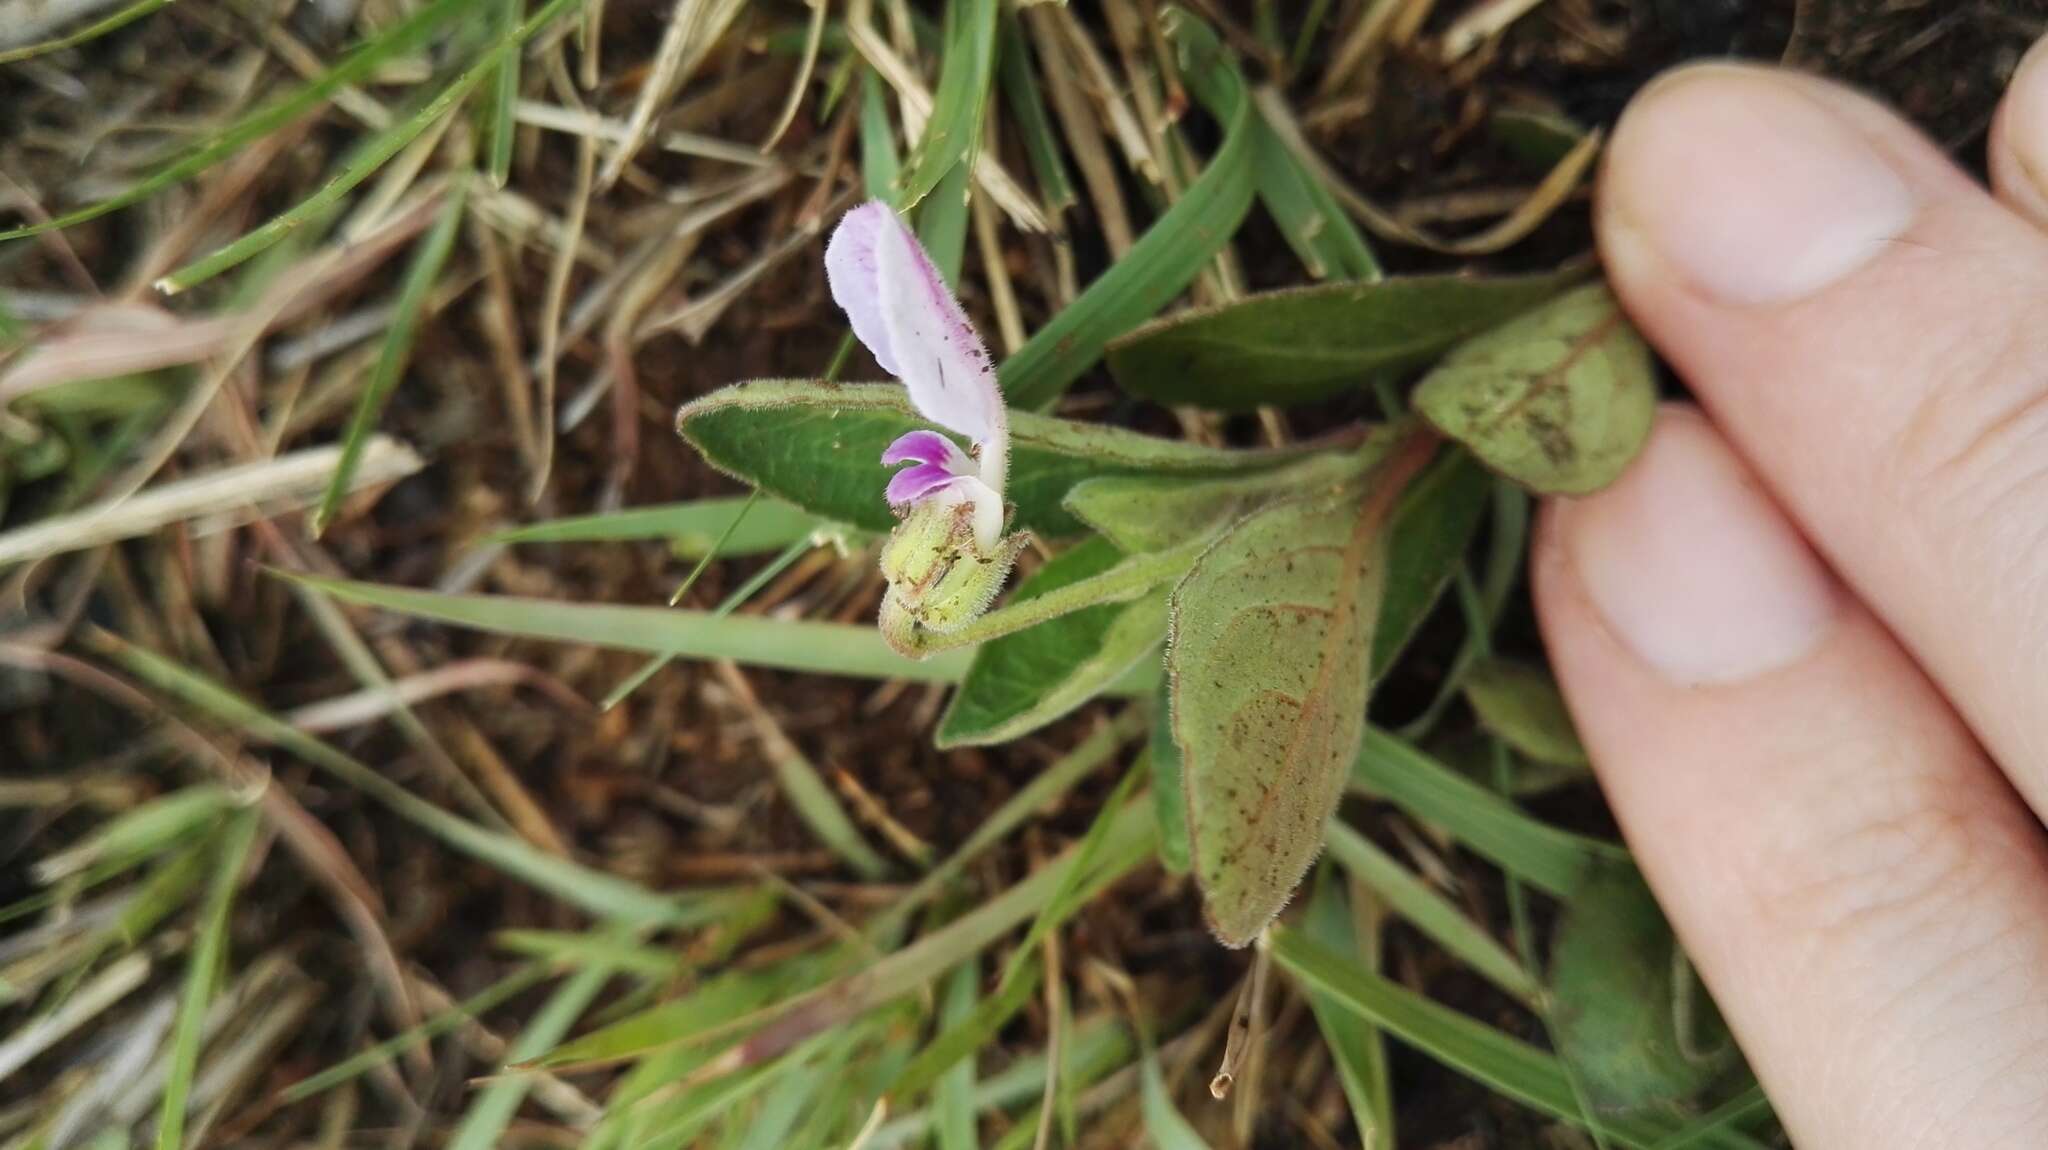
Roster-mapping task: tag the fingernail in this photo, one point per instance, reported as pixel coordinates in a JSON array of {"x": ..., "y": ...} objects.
[
  {"x": 1693, "y": 567},
  {"x": 1748, "y": 186},
  {"x": 2023, "y": 128}
]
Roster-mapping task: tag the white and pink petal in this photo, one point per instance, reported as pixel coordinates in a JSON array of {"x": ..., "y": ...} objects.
[
  {"x": 852, "y": 273},
  {"x": 939, "y": 357}
]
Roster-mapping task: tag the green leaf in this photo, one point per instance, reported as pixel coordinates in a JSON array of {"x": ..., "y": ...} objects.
[
  {"x": 691, "y": 528},
  {"x": 1426, "y": 542},
  {"x": 1506, "y": 1064},
  {"x": 1551, "y": 860},
  {"x": 1269, "y": 661},
  {"x": 420, "y": 278},
  {"x": 1169, "y": 786},
  {"x": 1142, "y": 513},
  {"x": 952, "y": 133},
  {"x": 1158, "y": 267},
  {"x": 1521, "y": 704},
  {"x": 819, "y": 446},
  {"x": 1626, "y": 1011},
  {"x": 1304, "y": 345},
  {"x": 1558, "y": 400},
  {"x": 1537, "y": 136},
  {"x": 1021, "y": 682}
]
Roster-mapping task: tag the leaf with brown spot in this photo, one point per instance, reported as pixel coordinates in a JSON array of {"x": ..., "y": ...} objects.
[
  {"x": 1270, "y": 645},
  {"x": 1558, "y": 400}
]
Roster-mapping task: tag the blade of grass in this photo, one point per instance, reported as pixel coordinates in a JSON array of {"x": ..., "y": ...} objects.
[
  {"x": 202, "y": 975},
  {"x": 1097, "y": 1047},
  {"x": 140, "y": 833},
  {"x": 1066, "y": 897},
  {"x": 942, "y": 223},
  {"x": 1743, "y": 1106},
  {"x": 504, "y": 97},
  {"x": 1549, "y": 859},
  {"x": 1505, "y": 1064},
  {"x": 953, "y": 1097},
  {"x": 489, "y": 998},
  {"x": 483, "y": 1125},
  {"x": 647, "y": 670},
  {"x": 1314, "y": 223},
  {"x": 827, "y": 648},
  {"x": 798, "y": 1016},
  {"x": 879, "y": 165},
  {"x": 1033, "y": 122},
  {"x": 602, "y": 894},
  {"x": 1022, "y": 968},
  {"x": 1171, "y": 253},
  {"x": 952, "y": 133},
  {"x": 1047, "y": 786},
  {"x": 801, "y": 784},
  {"x": 726, "y": 607},
  {"x": 568, "y": 948},
  {"x": 92, "y": 31},
  {"x": 366, "y": 160},
  {"x": 1356, "y": 1046},
  {"x": 692, "y": 529},
  {"x": 1429, "y": 912},
  {"x": 359, "y": 64},
  {"x": 1165, "y": 1125}
]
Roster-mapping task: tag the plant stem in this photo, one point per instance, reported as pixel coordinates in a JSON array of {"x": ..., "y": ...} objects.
[{"x": 1120, "y": 584}]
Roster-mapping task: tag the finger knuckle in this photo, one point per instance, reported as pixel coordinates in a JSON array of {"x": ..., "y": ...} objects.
[
  {"x": 1972, "y": 447},
  {"x": 1873, "y": 858}
]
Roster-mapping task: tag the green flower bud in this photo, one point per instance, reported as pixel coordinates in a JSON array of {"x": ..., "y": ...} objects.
[{"x": 940, "y": 577}]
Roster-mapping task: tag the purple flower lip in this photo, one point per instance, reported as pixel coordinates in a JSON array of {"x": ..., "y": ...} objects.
[
  {"x": 914, "y": 483},
  {"x": 926, "y": 447}
]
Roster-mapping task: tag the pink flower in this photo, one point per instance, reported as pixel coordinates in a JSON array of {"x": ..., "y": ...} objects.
[{"x": 900, "y": 308}]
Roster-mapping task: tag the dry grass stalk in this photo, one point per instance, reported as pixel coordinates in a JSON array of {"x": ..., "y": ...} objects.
[{"x": 235, "y": 493}]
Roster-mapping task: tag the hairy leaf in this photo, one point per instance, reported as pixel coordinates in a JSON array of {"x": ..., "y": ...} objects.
[
  {"x": 1627, "y": 1013},
  {"x": 1521, "y": 704},
  {"x": 1021, "y": 682},
  {"x": 1169, "y": 787},
  {"x": 1304, "y": 345},
  {"x": 1149, "y": 513},
  {"x": 819, "y": 446},
  {"x": 1269, "y": 659},
  {"x": 1558, "y": 400}
]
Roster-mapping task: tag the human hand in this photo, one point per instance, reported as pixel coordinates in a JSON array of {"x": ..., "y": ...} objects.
[{"x": 1806, "y": 635}]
